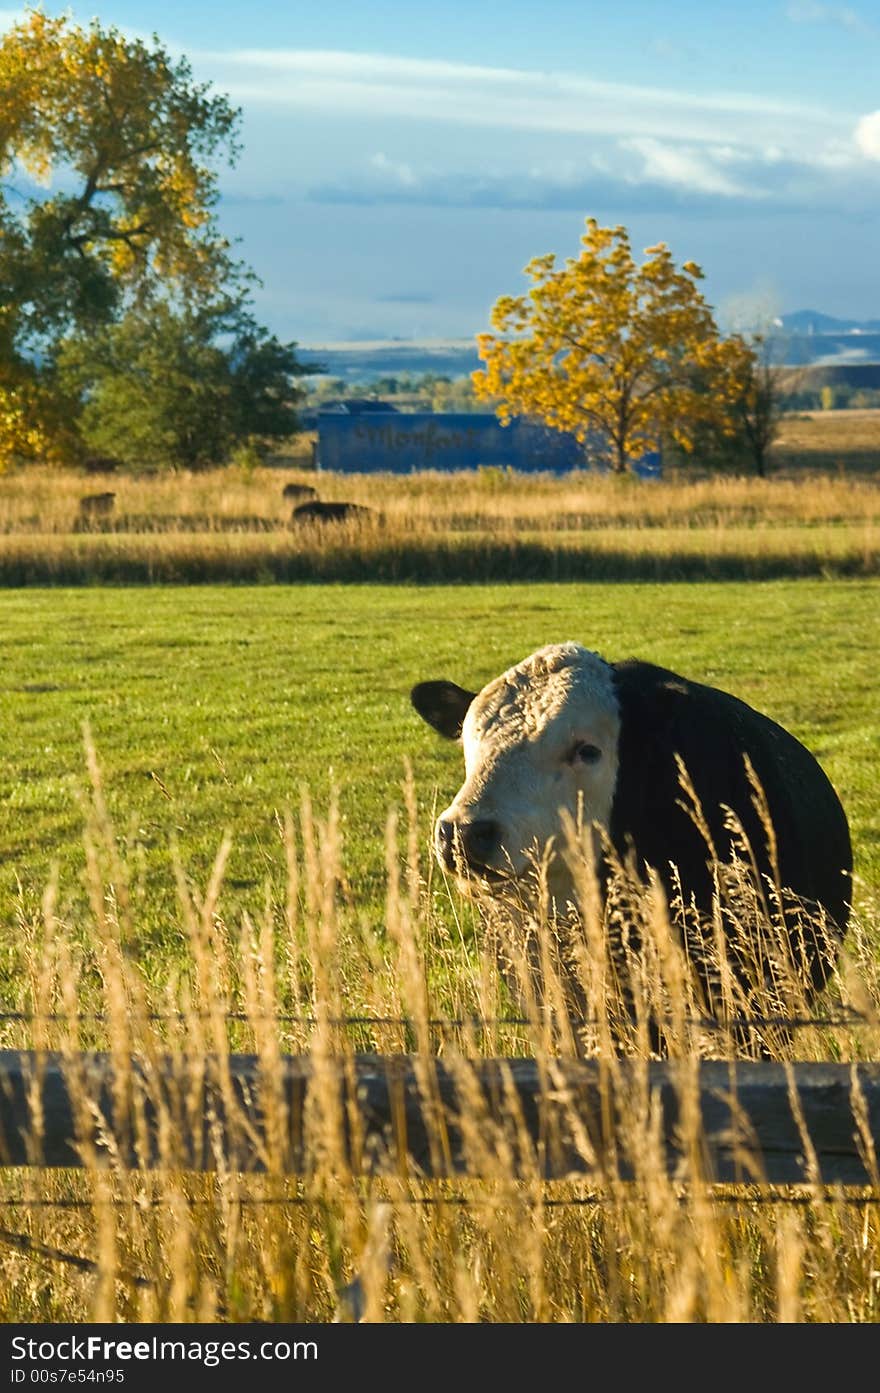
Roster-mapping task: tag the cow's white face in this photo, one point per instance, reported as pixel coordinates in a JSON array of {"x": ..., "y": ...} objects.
[{"x": 539, "y": 742}]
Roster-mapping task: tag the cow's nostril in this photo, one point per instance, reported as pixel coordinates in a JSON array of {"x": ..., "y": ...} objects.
[
  {"x": 446, "y": 842},
  {"x": 472, "y": 843},
  {"x": 479, "y": 841}
]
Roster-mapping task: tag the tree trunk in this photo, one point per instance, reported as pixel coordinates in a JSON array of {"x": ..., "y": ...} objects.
[
  {"x": 759, "y": 453},
  {"x": 622, "y": 435}
]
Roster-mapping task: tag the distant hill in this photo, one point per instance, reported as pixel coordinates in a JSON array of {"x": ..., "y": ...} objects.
[
  {"x": 798, "y": 339},
  {"x": 364, "y": 362},
  {"x": 814, "y": 322},
  {"x": 812, "y": 377}
]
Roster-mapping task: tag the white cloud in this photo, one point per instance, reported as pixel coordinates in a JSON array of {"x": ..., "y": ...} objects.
[
  {"x": 835, "y": 155},
  {"x": 810, "y": 12},
  {"x": 867, "y": 135},
  {"x": 634, "y": 174},
  {"x": 370, "y": 67},
  {"x": 684, "y": 168},
  {"x": 337, "y": 83},
  {"x": 397, "y": 169}
]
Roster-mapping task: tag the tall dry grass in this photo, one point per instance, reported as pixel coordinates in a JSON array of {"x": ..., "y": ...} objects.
[
  {"x": 47, "y": 501},
  {"x": 490, "y": 525},
  {"x": 157, "y": 1240}
]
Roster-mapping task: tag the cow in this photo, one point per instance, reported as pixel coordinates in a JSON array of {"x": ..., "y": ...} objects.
[
  {"x": 95, "y": 512},
  {"x": 682, "y": 788},
  {"x": 318, "y": 511},
  {"x": 98, "y": 505},
  {"x": 298, "y": 492}
]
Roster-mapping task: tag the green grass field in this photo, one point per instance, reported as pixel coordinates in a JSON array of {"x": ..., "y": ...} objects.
[{"x": 211, "y": 709}]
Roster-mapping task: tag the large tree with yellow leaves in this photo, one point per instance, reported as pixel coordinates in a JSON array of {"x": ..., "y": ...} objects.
[
  {"x": 107, "y": 192},
  {"x": 602, "y": 346}
]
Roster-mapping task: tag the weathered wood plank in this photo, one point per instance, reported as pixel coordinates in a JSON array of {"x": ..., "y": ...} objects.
[{"x": 726, "y": 1121}]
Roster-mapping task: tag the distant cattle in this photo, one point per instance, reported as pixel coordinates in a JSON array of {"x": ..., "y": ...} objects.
[
  {"x": 316, "y": 511},
  {"x": 100, "y": 464},
  {"x": 300, "y": 491},
  {"x": 673, "y": 785},
  {"x": 97, "y": 505}
]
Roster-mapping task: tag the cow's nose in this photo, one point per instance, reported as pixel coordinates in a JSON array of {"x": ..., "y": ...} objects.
[
  {"x": 446, "y": 843},
  {"x": 475, "y": 842}
]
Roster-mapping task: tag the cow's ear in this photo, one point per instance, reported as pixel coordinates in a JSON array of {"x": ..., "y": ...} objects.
[{"x": 442, "y": 705}]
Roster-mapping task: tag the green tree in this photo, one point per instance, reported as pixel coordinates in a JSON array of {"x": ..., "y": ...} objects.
[
  {"x": 124, "y": 143},
  {"x": 130, "y": 140},
  {"x": 603, "y": 345},
  {"x": 181, "y": 389},
  {"x": 756, "y": 397},
  {"x": 457, "y": 394}
]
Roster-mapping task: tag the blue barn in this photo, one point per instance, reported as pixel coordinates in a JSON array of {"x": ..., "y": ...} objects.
[{"x": 372, "y": 438}]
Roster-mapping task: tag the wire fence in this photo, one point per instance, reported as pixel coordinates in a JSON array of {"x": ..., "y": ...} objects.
[
  {"x": 788, "y": 1196},
  {"x": 34, "y": 1247}
]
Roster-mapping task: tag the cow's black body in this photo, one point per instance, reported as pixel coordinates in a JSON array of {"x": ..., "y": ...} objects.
[{"x": 808, "y": 854}]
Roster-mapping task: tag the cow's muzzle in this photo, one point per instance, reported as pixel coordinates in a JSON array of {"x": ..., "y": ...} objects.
[{"x": 471, "y": 847}]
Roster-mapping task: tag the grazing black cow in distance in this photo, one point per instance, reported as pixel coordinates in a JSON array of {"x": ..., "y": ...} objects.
[
  {"x": 566, "y": 739},
  {"x": 93, "y": 505},
  {"x": 300, "y": 491},
  {"x": 316, "y": 511}
]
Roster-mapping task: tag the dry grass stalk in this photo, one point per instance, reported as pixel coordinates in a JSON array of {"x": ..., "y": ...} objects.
[
  {"x": 225, "y": 524},
  {"x": 629, "y": 1241}
]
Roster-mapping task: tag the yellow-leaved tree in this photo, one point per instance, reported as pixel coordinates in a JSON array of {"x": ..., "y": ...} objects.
[
  {"x": 604, "y": 347},
  {"x": 107, "y": 191}
]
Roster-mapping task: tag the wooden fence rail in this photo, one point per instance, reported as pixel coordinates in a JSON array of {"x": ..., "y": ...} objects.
[{"x": 728, "y": 1121}]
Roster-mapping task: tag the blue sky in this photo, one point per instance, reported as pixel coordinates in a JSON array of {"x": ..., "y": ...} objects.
[{"x": 402, "y": 162}]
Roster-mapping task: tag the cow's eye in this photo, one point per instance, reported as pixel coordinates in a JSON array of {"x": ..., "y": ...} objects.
[{"x": 584, "y": 753}]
